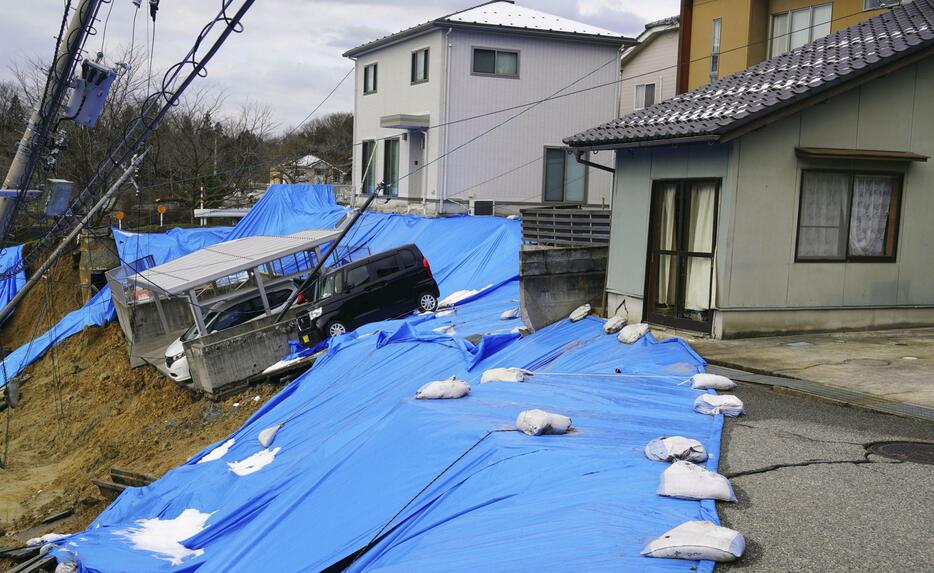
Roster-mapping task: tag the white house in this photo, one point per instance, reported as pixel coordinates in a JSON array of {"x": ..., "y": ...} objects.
[
  {"x": 450, "y": 111},
  {"x": 650, "y": 68}
]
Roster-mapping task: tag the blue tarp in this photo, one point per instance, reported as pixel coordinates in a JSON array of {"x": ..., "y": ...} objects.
[
  {"x": 437, "y": 485},
  {"x": 11, "y": 257}
]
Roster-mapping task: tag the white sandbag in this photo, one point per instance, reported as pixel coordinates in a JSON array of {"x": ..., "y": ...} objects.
[
  {"x": 632, "y": 332},
  {"x": 539, "y": 422},
  {"x": 268, "y": 435},
  {"x": 66, "y": 567},
  {"x": 580, "y": 313},
  {"x": 451, "y": 388},
  {"x": 696, "y": 540},
  {"x": 509, "y": 314},
  {"x": 688, "y": 481},
  {"x": 705, "y": 381},
  {"x": 614, "y": 325},
  {"x": 674, "y": 448},
  {"x": 504, "y": 375},
  {"x": 725, "y": 404}
]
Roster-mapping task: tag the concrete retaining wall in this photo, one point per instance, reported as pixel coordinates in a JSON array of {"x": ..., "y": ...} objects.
[{"x": 555, "y": 281}]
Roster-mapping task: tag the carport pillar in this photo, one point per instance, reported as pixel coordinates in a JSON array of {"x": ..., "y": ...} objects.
[
  {"x": 262, "y": 290},
  {"x": 196, "y": 311}
]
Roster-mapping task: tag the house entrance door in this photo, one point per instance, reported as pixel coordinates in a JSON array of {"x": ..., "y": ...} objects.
[
  {"x": 416, "y": 162},
  {"x": 682, "y": 235}
]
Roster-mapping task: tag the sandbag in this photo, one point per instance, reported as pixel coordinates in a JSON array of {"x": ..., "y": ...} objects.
[
  {"x": 614, "y": 325},
  {"x": 685, "y": 480},
  {"x": 539, "y": 422},
  {"x": 696, "y": 540},
  {"x": 705, "y": 381},
  {"x": 509, "y": 314},
  {"x": 504, "y": 375},
  {"x": 674, "y": 448},
  {"x": 47, "y": 538},
  {"x": 580, "y": 313},
  {"x": 632, "y": 332},
  {"x": 725, "y": 404},
  {"x": 451, "y": 388}
]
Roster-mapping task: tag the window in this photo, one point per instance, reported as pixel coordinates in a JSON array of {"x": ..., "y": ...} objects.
[
  {"x": 846, "y": 216},
  {"x": 277, "y": 298},
  {"x": 565, "y": 178},
  {"x": 391, "y": 166},
  {"x": 645, "y": 95},
  {"x": 369, "y": 79},
  {"x": 420, "y": 66},
  {"x": 877, "y": 4},
  {"x": 357, "y": 276},
  {"x": 496, "y": 62},
  {"x": 406, "y": 258},
  {"x": 715, "y": 51},
  {"x": 382, "y": 268},
  {"x": 368, "y": 166},
  {"x": 330, "y": 285},
  {"x": 796, "y": 28}
]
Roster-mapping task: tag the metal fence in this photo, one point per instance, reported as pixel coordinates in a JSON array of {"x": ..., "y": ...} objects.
[{"x": 566, "y": 226}]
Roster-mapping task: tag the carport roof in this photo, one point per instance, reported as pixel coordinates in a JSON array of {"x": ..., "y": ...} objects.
[{"x": 228, "y": 258}]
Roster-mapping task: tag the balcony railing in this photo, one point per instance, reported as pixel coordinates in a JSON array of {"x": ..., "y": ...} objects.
[{"x": 566, "y": 226}]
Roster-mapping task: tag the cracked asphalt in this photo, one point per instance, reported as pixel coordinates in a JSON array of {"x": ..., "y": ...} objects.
[{"x": 810, "y": 498}]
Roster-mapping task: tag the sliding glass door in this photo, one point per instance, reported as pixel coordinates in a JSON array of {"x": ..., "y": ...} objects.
[{"x": 682, "y": 235}]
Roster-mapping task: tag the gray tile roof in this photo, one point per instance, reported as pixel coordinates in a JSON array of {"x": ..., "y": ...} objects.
[
  {"x": 757, "y": 92},
  {"x": 669, "y": 21}
]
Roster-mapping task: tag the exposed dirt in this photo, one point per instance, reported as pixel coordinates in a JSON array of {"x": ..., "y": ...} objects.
[
  {"x": 32, "y": 316},
  {"x": 83, "y": 411}
]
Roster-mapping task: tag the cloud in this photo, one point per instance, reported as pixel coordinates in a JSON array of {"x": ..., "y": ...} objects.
[{"x": 289, "y": 54}]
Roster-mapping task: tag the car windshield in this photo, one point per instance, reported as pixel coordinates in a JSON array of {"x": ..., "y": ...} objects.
[
  {"x": 329, "y": 285},
  {"x": 192, "y": 331}
]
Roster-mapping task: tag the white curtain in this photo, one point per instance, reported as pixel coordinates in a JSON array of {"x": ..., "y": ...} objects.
[
  {"x": 823, "y": 215},
  {"x": 869, "y": 216},
  {"x": 700, "y": 239},
  {"x": 667, "y": 240}
]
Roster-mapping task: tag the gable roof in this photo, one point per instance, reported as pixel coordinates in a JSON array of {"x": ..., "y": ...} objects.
[
  {"x": 760, "y": 93},
  {"x": 503, "y": 15},
  {"x": 652, "y": 31}
]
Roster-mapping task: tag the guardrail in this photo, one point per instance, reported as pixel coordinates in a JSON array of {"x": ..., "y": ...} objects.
[{"x": 566, "y": 226}]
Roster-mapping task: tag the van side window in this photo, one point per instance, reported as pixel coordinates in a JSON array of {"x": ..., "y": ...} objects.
[
  {"x": 357, "y": 276},
  {"x": 381, "y": 268},
  {"x": 407, "y": 258}
]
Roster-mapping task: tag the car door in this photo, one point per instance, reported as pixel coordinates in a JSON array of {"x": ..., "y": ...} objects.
[
  {"x": 356, "y": 303},
  {"x": 386, "y": 298}
]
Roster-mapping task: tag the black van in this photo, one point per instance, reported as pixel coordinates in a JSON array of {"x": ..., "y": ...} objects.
[{"x": 382, "y": 286}]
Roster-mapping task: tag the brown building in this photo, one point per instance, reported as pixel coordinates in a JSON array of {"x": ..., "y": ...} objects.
[{"x": 722, "y": 37}]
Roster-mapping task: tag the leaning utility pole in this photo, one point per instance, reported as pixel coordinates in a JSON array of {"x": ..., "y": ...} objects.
[{"x": 37, "y": 133}]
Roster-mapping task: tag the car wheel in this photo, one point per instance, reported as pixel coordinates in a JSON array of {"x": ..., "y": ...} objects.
[
  {"x": 336, "y": 328},
  {"x": 427, "y": 302}
]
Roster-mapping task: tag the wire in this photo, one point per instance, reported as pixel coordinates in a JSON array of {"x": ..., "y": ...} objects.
[{"x": 106, "y": 22}]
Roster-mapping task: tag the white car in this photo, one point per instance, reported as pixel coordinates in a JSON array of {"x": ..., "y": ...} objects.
[{"x": 226, "y": 314}]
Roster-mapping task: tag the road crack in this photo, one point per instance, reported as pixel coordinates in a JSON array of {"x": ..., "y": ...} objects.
[{"x": 774, "y": 467}]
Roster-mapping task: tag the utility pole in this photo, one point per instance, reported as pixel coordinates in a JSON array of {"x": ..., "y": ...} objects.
[{"x": 44, "y": 116}]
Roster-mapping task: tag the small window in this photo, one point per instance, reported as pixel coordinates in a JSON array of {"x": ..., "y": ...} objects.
[
  {"x": 369, "y": 79},
  {"x": 846, "y": 216},
  {"x": 357, "y": 276},
  {"x": 368, "y": 166},
  {"x": 565, "y": 178},
  {"x": 877, "y": 4},
  {"x": 330, "y": 285},
  {"x": 796, "y": 28},
  {"x": 406, "y": 258},
  {"x": 645, "y": 95},
  {"x": 715, "y": 50},
  {"x": 496, "y": 62},
  {"x": 420, "y": 66},
  {"x": 382, "y": 268}
]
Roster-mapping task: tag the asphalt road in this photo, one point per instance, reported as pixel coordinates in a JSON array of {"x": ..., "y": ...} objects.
[{"x": 860, "y": 512}]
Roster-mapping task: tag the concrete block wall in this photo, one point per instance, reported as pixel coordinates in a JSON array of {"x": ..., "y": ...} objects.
[{"x": 553, "y": 281}]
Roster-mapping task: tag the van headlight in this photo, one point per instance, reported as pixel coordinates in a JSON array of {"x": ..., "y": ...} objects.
[
  {"x": 178, "y": 356},
  {"x": 313, "y": 314}
]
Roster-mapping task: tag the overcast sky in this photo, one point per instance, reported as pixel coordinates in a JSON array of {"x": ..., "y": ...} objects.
[{"x": 289, "y": 55}]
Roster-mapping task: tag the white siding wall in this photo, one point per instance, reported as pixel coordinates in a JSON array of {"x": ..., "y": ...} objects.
[
  {"x": 506, "y": 164},
  {"x": 655, "y": 63},
  {"x": 397, "y": 95}
]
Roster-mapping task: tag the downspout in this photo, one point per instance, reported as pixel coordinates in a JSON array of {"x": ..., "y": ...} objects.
[{"x": 443, "y": 178}]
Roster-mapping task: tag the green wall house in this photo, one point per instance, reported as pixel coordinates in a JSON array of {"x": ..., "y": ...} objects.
[{"x": 796, "y": 195}]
